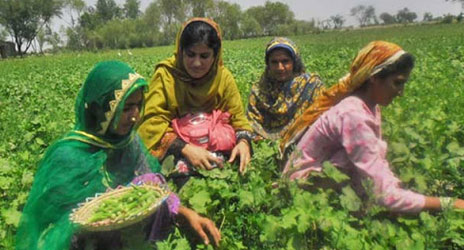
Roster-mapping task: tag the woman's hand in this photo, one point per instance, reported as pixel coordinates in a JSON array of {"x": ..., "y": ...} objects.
[
  {"x": 200, "y": 157},
  {"x": 242, "y": 149},
  {"x": 201, "y": 225}
]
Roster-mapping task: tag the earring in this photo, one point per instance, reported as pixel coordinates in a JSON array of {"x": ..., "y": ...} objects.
[{"x": 133, "y": 119}]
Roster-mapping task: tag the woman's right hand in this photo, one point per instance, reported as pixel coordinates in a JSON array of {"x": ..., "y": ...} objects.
[{"x": 199, "y": 157}]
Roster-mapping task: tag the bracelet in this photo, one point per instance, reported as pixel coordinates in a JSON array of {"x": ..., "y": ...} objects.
[
  {"x": 243, "y": 134},
  {"x": 446, "y": 203},
  {"x": 176, "y": 147}
]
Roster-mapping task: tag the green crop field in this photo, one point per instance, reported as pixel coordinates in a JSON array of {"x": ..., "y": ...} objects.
[{"x": 424, "y": 131}]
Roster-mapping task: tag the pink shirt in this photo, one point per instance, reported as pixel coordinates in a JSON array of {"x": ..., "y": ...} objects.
[{"x": 349, "y": 136}]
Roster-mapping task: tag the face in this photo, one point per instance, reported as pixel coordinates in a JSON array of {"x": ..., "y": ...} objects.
[
  {"x": 198, "y": 60},
  {"x": 280, "y": 65},
  {"x": 130, "y": 114},
  {"x": 385, "y": 90}
]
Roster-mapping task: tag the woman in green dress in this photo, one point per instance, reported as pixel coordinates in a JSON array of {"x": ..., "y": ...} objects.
[{"x": 102, "y": 152}]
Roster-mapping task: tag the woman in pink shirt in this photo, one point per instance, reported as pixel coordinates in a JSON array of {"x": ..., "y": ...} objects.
[{"x": 344, "y": 127}]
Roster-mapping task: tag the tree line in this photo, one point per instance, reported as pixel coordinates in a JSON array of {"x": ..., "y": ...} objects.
[
  {"x": 109, "y": 25},
  {"x": 366, "y": 16}
]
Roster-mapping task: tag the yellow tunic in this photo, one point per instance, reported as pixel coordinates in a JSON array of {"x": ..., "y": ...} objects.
[{"x": 172, "y": 94}]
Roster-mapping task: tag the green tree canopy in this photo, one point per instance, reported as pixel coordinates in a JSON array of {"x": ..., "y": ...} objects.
[
  {"x": 132, "y": 9},
  {"x": 272, "y": 15},
  {"x": 387, "y": 18},
  {"x": 406, "y": 16},
  {"x": 364, "y": 14},
  {"x": 228, "y": 16},
  {"x": 23, "y": 19},
  {"x": 107, "y": 10}
]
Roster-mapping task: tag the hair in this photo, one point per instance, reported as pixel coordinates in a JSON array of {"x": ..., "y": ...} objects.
[
  {"x": 298, "y": 65},
  {"x": 404, "y": 64},
  {"x": 200, "y": 32}
]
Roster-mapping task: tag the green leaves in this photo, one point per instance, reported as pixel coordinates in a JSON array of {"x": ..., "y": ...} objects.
[
  {"x": 332, "y": 172},
  {"x": 423, "y": 130},
  {"x": 199, "y": 201},
  {"x": 11, "y": 216},
  {"x": 349, "y": 200}
]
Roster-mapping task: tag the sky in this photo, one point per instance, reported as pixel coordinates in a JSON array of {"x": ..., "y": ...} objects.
[{"x": 323, "y": 9}]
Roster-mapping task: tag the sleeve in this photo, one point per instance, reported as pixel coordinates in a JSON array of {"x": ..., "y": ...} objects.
[
  {"x": 366, "y": 150},
  {"x": 157, "y": 117},
  {"x": 234, "y": 104},
  {"x": 63, "y": 180}
]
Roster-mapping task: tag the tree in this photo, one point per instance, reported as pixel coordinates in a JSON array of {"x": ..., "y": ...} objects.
[
  {"x": 201, "y": 8},
  {"x": 173, "y": 11},
  {"x": 3, "y": 33},
  {"x": 23, "y": 19},
  {"x": 257, "y": 12},
  {"x": 132, "y": 9},
  {"x": 228, "y": 16},
  {"x": 250, "y": 26},
  {"x": 152, "y": 15},
  {"x": 89, "y": 20},
  {"x": 107, "y": 10},
  {"x": 41, "y": 38},
  {"x": 406, "y": 16},
  {"x": 271, "y": 15},
  {"x": 337, "y": 21},
  {"x": 151, "y": 24},
  {"x": 325, "y": 24},
  {"x": 364, "y": 14},
  {"x": 427, "y": 17},
  {"x": 387, "y": 18},
  {"x": 74, "y": 8}
]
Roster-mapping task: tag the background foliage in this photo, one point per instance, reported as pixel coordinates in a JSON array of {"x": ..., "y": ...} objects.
[{"x": 423, "y": 129}]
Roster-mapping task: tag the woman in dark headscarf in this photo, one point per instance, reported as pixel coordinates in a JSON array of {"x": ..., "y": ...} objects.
[{"x": 284, "y": 91}]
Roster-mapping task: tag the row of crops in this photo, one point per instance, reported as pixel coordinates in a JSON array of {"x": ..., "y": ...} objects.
[{"x": 424, "y": 130}]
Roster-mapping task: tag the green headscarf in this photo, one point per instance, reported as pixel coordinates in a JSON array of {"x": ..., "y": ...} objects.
[{"x": 86, "y": 161}]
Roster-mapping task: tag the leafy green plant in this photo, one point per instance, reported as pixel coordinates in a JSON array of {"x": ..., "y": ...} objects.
[{"x": 260, "y": 210}]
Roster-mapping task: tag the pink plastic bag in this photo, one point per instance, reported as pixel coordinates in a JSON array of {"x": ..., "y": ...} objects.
[{"x": 210, "y": 131}]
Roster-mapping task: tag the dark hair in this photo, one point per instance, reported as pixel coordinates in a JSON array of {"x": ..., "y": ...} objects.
[
  {"x": 404, "y": 64},
  {"x": 200, "y": 32}
]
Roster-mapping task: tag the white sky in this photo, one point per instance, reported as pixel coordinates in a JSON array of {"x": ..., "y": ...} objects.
[{"x": 323, "y": 9}]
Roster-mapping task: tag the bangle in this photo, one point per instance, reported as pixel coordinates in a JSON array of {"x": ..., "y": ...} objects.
[
  {"x": 243, "y": 134},
  {"x": 446, "y": 203},
  {"x": 246, "y": 135}
]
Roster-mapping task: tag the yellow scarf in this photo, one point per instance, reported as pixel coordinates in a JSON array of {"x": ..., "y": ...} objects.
[{"x": 173, "y": 93}]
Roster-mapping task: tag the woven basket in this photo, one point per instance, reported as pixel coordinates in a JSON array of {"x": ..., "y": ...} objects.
[{"x": 82, "y": 214}]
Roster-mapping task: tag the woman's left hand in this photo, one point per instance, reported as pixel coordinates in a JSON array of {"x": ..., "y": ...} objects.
[
  {"x": 201, "y": 225},
  {"x": 242, "y": 149}
]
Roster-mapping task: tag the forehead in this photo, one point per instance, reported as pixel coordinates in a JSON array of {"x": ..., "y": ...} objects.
[
  {"x": 199, "y": 48},
  {"x": 279, "y": 54}
]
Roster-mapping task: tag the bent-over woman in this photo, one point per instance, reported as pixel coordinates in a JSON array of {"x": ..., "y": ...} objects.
[
  {"x": 344, "y": 127},
  {"x": 283, "y": 92},
  {"x": 102, "y": 152},
  {"x": 191, "y": 86}
]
